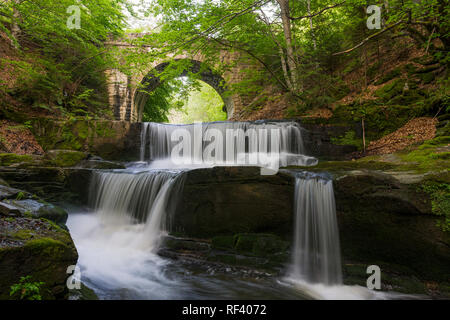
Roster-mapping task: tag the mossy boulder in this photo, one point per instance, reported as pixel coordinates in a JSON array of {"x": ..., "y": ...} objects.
[
  {"x": 261, "y": 245},
  {"x": 36, "y": 248},
  {"x": 65, "y": 158}
]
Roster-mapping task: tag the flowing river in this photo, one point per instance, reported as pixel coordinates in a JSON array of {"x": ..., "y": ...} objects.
[{"x": 118, "y": 236}]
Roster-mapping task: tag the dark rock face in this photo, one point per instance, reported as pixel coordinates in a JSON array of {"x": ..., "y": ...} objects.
[
  {"x": 7, "y": 192},
  {"x": 384, "y": 222},
  {"x": 317, "y": 141},
  {"x": 99, "y": 164},
  {"x": 227, "y": 200},
  {"x": 52, "y": 184}
]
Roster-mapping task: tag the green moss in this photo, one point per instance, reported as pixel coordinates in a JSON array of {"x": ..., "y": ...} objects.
[
  {"x": 28, "y": 214},
  {"x": 260, "y": 245},
  {"x": 46, "y": 246},
  {"x": 424, "y": 60},
  {"x": 389, "y": 76},
  {"x": 354, "y": 64},
  {"x": 439, "y": 192},
  {"x": 24, "y": 234},
  {"x": 429, "y": 155},
  {"x": 65, "y": 158},
  {"x": 7, "y": 159},
  {"x": 410, "y": 68},
  {"x": 223, "y": 242},
  {"x": 427, "y": 77},
  {"x": 103, "y": 129},
  {"x": 390, "y": 90},
  {"x": 408, "y": 98},
  {"x": 348, "y": 139}
]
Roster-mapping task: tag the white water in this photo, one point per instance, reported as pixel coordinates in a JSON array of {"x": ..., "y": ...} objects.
[
  {"x": 316, "y": 256},
  {"x": 243, "y": 143},
  {"x": 315, "y": 267}
]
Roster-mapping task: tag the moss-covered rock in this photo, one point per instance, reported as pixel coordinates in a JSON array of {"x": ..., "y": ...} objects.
[
  {"x": 65, "y": 158},
  {"x": 389, "y": 76},
  {"x": 390, "y": 90},
  {"x": 36, "y": 248},
  {"x": 7, "y": 159},
  {"x": 53, "y": 213},
  {"x": 112, "y": 140}
]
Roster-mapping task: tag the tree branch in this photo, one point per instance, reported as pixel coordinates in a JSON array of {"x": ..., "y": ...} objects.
[
  {"x": 317, "y": 13},
  {"x": 369, "y": 38}
]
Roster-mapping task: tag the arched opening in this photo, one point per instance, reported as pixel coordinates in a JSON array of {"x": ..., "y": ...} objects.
[
  {"x": 201, "y": 104},
  {"x": 167, "y": 78}
]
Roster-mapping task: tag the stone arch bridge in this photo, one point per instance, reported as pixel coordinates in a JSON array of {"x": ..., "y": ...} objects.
[{"x": 127, "y": 102}]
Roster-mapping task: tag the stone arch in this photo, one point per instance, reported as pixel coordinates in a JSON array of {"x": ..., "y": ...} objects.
[{"x": 151, "y": 81}]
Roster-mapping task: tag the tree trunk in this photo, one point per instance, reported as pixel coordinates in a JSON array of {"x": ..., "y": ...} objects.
[
  {"x": 291, "y": 62},
  {"x": 15, "y": 29},
  {"x": 313, "y": 36}
]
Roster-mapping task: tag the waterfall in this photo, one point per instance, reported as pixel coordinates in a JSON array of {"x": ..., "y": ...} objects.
[
  {"x": 316, "y": 251},
  {"x": 145, "y": 198},
  {"x": 144, "y": 130},
  {"x": 241, "y": 142}
]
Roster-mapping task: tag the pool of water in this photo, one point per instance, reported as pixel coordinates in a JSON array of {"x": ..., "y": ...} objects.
[{"x": 117, "y": 264}]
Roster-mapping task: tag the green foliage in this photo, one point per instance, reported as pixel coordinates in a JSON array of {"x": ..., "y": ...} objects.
[
  {"x": 440, "y": 201},
  {"x": 20, "y": 195},
  {"x": 160, "y": 102},
  {"x": 203, "y": 105},
  {"x": 26, "y": 290},
  {"x": 58, "y": 69},
  {"x": 390, "y": 90},
  {"x": 349, "y": 138}
]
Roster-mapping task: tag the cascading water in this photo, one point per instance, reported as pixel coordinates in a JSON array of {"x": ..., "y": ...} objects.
[
  {"x": 130, "y": 198},
  {"x": 316, "y": 259},
  {"x": 240, "y": 141},
  {"x": 316, "y": 252},
  {"x": 118, "y": 244}
]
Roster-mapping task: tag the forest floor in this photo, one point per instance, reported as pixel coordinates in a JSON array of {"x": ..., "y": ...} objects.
[
  {"x": 18, "y": 139},
  {"x": 415, "y": 131}
]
